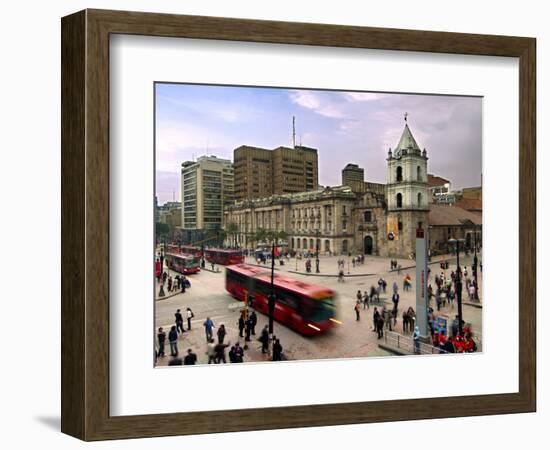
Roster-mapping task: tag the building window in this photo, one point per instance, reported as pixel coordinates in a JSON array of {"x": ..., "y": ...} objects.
[
  {"x": 400, "y": 226},
  {"x": 297, "y": 243},
  {"x": 304, "y": 243},
  {"x": 292, "y": 245},
  {"x": 399, "y": 174},
  {"x": 344, "y": 224},
  {"x": 399, "y": 200},
  {"x": 311, "y": 243},
  {"x": 368, "y": 216},
  {"x": 418, "y": 173},
  {"x": 343, "y": 210},
  {"x": 345, "y": 246},
  {"x": 327, "y": 245},
  {"x": 419, "y": 197},
  {"x": 420, "y": 225}
]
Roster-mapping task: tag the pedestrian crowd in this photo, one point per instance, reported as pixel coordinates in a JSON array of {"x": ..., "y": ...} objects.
[{"x": 215, "y": 349}]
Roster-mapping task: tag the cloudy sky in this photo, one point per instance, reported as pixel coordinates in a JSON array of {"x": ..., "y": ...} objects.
[{"x": 357, "y": 127}]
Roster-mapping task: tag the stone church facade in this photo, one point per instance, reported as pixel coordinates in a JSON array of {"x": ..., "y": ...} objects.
[{"x": 363, "y": 218}]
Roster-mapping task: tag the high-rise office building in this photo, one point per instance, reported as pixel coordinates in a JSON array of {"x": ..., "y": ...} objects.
[
  {"x": 352, "y": 173},
  {"x": 206, "y": 188},
  {"x": 261, "y": 172}
]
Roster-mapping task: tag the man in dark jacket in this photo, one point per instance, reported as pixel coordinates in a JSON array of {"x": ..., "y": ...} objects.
[
  {"x": 253, "y": 322},
  {"x": 179, "y": 321},
  {"x": 161, "y": 336},
  {"x": 219, "y": 350},
  {"x": 190, "y": 359},
  {"x": 277, "y": 351}
]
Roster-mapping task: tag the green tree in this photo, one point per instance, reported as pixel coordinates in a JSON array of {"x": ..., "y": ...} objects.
[
  {"x": 161, "y": 230},
  {"x": 232, "y": 230}
]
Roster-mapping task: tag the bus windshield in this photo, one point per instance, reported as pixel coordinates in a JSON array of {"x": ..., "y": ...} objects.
[
  {"x": 318, "y": 310},
  {"x": 190, "y": 262}
]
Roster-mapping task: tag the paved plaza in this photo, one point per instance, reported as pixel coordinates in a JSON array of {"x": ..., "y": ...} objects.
[{"x": 207, "y": 297}]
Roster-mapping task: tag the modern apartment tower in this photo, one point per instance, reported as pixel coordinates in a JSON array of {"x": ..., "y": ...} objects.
[
  {"x": 261, "y": 172},
  {"x": 206, "y": 189}
]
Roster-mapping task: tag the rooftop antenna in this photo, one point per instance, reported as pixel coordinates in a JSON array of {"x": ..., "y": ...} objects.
[
  {"x": 173, "y": 195},
  {"x": 293, "y": 132},
  {"x": 406, "y": 114}
]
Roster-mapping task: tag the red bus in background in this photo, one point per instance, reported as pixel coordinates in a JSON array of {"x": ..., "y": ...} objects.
[
  {"x": 191, "y": 250},
  {"x": 186, "y": 264},
  {"x": 224, "y": 257},
  {"x": 306, "y": 308},
  {"x": 173, "y": 249}
]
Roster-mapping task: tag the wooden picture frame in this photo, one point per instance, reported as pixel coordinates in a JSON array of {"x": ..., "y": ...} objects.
[{"x": 85, "y": 224}]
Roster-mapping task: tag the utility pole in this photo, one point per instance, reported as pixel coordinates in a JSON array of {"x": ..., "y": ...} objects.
[
  {"x": 458, "y": 283},
  {"x": 271, "y": 297},
  {"x": 293, "y": 132},
  {"x": 421, "y": 282}
]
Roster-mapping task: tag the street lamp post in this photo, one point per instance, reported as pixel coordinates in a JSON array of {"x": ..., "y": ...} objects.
[
  {"x": 458, "y": 283},
  {"x": 317, "y": 251},
  {"x": 474, "y": 268},
  {"x": 271, "y": 297}
]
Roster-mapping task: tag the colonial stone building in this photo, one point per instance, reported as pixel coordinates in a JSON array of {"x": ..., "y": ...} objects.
[{"x": 367, "y": 218}]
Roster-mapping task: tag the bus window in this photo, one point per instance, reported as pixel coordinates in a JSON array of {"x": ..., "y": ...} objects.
[{"x": 317, "y": 310}]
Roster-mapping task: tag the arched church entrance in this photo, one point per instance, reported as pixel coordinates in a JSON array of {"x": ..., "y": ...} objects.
[{"x": 368, "y": 245}]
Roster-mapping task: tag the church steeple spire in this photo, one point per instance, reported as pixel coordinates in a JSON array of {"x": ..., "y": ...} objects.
[{"x": 407, "y": 143}]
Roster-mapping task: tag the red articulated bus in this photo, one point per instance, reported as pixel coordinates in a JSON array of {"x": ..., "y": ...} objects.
[
  {"x": 186, "y": 264},
  {"x": 224, "y": 257},
  {"x": 306, "y": 308},
  {"x": 191, "y": 250}
]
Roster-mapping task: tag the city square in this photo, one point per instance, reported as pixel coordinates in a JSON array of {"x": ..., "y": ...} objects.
[
  {"x": 207, "y": 297},
  {"x": 287, "y": 253}
]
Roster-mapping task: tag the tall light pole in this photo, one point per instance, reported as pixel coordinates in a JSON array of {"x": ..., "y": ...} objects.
[
  {"x": 458, "y": 282},
  {"x": 474, "y": 267},
  {"x": 317, "y": 251},
  {"x": 271, "y": 297}
]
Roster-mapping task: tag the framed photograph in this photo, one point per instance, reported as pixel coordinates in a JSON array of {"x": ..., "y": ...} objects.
[{"x": 272, "y": 225}]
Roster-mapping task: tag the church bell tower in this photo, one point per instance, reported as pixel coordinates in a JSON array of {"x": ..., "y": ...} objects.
[{"x": 406, "y": 195}]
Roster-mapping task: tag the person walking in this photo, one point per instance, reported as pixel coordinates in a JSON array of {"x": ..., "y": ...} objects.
[
  {"x": 241, "y": 324},
  {"x": 211, "y": 351},
  {"x": 221, "y": 333},
  {"x": 264, "y": 339},
  {"x": 253, "y": 322},
  {"x": 412, "y": 317},
  {"x": 173, "y": 339},
  {"x": 366, "y": 300},
  {"x": 179, "y": 321},
  {"x": 208, "y": 327},
  {"x": 380, "y": 326},
  {"x": 161, "y": 336},
  {"x": 405, "y": 321},
  {"x": 277, "y": 350},
  {"x": 395, "y": 301},
  {"x": 416, "y": 339},
  {"x": 248, "y": 329},
  {"x": 357, "y": 311},
  {"x": 190, "y": 359},
  {"x": 375, "y": 316},
  {"x": 388, "y": 319},
  {"x": 190, "y": 315},
  {"x": 219, "y": 351}
]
